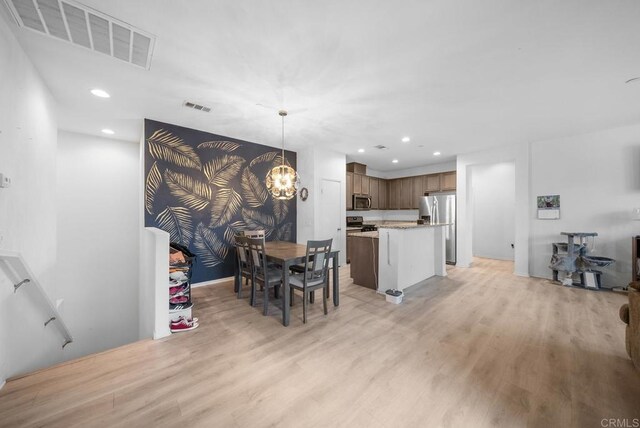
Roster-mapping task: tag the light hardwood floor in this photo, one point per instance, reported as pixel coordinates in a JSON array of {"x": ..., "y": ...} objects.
[{"x": 479, "y": 348}]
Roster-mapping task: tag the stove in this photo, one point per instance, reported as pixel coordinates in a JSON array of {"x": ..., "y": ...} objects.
[{"x": 357, "y": 221}]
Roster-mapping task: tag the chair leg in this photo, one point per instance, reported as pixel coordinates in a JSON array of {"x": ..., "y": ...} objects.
[
  {"x": 253, "y": 291},
  {"x": 240, "y": 287},
  {"x": 312, "y": 297},
  {"x": 291, "y": 296},
  {"x": 276, "y": 291},
  {"x": 324, "y": 302},
  {"x": 305, "y": 296},
  {"x": 265, "y": 301}
]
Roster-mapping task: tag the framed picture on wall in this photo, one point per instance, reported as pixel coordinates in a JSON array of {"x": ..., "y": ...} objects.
[{"x": 548, "y": 207}]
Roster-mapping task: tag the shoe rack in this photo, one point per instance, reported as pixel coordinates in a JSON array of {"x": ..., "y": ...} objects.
[{"x": 180, "y": 272}]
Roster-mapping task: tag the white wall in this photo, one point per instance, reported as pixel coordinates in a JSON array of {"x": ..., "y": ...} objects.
[
  {"x": 519, "y": 154},
  {"x": 28, "y": 138},
  {"x": 597, "y": 176},
  {"x": 493, "y": 200},
  {"x": 421, "y": 170},
  {"x": 98, "y": 240},
  {"x": 316, "y": 164}
]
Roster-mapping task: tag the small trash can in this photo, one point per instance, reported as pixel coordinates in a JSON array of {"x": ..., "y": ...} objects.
[{"x": 394, "y": 296}]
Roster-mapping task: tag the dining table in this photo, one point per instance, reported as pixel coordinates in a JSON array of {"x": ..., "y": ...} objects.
[{"x": 287, "y": 254}]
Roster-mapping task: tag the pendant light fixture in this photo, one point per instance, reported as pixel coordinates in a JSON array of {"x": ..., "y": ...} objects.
[{"x": 282, "y": 180}]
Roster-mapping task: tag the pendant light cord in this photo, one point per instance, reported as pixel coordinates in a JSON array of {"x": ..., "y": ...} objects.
[{"x": 283, "y": 141}]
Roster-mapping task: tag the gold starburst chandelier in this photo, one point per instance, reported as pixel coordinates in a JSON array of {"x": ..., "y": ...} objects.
[{"x": 282, "y": 180}]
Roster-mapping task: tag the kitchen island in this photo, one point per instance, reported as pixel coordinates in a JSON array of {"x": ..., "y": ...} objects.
[{"x": 398, "y": 256}]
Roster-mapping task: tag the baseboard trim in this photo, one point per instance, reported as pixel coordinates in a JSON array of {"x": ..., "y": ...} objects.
[
  {"x": 2, "y": 384},
  {"x": 213, "y": 282}
]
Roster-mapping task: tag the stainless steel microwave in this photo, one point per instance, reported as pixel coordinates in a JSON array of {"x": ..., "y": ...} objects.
[{"x": 361, "y": 202}]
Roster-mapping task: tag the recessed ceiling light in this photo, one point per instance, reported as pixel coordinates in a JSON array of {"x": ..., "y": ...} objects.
[
  {"x": 360, "y": 150},
  {"x": 395, "y": 161},
  {"x": 108, "y": 131},
  {"x": 100, "y": 93},
  {"x": 633, "y": 80},
  {"x": 406, "y": 139},
  {"x": 436, "y": 153}
]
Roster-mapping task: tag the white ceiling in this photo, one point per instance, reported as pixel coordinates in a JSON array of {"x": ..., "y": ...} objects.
[{"x": 455, "y": 76}]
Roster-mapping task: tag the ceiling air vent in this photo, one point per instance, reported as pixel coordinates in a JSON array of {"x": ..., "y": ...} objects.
[
  {"x": 195, "y": 106},
  {"x": 380, "y": 147},
  {"x": 75, "y": 23}
]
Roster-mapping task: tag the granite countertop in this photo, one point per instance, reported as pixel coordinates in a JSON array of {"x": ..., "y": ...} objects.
[
  {"x": 409, "y": 225},
  {"x": 373, "y": 234}
]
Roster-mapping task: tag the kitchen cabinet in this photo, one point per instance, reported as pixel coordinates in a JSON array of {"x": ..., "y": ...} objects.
[
  {"x": 406, "y": 197},
  {"x": 357, "y": 184},
  {"x": 366, "y": 185},
  {"x": 448, "y": 181},
  {"x": 417, "y": 185},
  {"x": 394, "y": 194},
  {"x": 357, "y": 168},
  {"x": 432, "y": 183},
  {"x": 383, "y": 192},
  {"x": 397, "y": 193},
  {"x": 374, "y": 192},
  {"x": 349, "y": 191}
]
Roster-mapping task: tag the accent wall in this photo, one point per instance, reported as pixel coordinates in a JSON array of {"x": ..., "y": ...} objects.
[{"x": 204, "y": 188}]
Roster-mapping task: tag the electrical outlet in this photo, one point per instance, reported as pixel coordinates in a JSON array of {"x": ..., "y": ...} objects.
[{"x": 4, "y": 181}]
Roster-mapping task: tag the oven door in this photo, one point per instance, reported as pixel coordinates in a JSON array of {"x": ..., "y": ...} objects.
[{"x": 361, "y": 203}]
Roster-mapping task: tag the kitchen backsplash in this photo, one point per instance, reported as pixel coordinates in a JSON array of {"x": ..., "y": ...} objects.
[{"x": 386, "y": 215}]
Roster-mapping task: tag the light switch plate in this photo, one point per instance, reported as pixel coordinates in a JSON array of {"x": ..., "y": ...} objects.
[{"x": 4, "y": 181}]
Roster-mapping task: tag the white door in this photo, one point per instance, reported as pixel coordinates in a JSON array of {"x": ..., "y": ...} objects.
[{"x": 330, "y": 215}]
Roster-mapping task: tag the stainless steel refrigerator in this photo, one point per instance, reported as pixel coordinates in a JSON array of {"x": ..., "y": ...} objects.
[{"x": 441, "y": 208}]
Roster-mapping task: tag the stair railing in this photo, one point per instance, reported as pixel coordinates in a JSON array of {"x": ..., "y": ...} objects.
[{"x": 15, "y": 268}]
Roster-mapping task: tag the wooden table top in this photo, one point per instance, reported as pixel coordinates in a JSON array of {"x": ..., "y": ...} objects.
[{"x": 282, "y": 250}]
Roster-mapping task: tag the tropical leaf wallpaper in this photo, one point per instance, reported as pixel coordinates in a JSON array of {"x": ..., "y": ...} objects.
[{"x": 204, "y": 188}]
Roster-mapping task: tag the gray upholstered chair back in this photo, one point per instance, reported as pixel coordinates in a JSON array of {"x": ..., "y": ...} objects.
[
  {"x": 242, "y": 250},
  {"x": 257, "y": 254},
  {"x": 317, "y": 260}
]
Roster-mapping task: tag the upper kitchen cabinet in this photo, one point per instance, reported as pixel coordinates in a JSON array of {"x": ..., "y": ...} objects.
[
  {"x": 357, "y": 168},
  {"x": 432, "y": 183},
  {"x": 406, "y": 198},
  {"x": 366, "y": 185},
  {"x": 349, "y": 190},
  {"x": 448, "y": 181},
  {"x": 393, "y": 200},
  {"x": 357, "y": 184},
  {"x": 374, "y": 192},
  {"x": 383, "y": 192},
  {"x": 417, "y": 186}
]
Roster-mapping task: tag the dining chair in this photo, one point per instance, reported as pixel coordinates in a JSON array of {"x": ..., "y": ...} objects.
[
  {"x": 254, "y": 234},
  {"x": 315, "y": 277},
  {"x": 245, "y": 271},
  {"x": 263, "y": 274}
]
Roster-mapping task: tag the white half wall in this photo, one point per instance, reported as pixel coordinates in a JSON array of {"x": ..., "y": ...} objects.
[
  {"x": 519, "y": 155},
  {"x": 98, "y": 240},
  {"x": 597, "y": 176},
  {"x": 493, "y": 196},
  {"x": 28, "y": 139}
]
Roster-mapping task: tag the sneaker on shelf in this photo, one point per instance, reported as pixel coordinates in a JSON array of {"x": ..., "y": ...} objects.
[
  {"x": 180, "y": 307},
  {"x": 178, "y": 300},
  {"x": 174, "y": 283},
  {"x": 183, "y": 326},
  {"x": 178, "y": 276},
  {"x": 183, "y": 318},
  {"x": 178, "y": 291}
]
